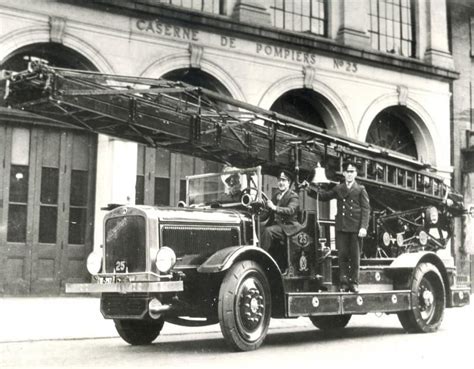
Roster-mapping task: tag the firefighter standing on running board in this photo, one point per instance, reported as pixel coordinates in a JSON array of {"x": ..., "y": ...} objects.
[{"x": 352, "y": 221}]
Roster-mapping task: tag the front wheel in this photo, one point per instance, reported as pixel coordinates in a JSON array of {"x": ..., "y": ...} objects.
[
  {"x": 245, "y": 306},
  {"x": 138, "y": 332},
  {"x": 329, "y": 322},
  {"x": 428, "y": 303}
]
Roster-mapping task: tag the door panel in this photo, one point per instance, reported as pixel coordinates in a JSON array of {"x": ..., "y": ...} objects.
[
  {"x": 20, "y": 144},
  {"x": 45, "y": 262},
  {"x": 78, "y": 210},
  {"x": 46, "y": 208}
]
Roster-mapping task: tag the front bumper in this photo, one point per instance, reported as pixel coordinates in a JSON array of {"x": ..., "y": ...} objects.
[{"x": 125, "y": 287}]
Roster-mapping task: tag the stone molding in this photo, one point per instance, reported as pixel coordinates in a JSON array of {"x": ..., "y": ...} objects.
[{"x": 57, "y": 28}]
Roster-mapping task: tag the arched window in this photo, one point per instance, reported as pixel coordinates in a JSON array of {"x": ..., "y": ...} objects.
[
  {"x": 389, "y": 129},
  {"x": 391, "y": 27},
  {"x": 302, "y": 105}
]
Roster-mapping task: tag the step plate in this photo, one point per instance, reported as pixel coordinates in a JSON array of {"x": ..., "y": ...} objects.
[{"x": 330, "y": 303}]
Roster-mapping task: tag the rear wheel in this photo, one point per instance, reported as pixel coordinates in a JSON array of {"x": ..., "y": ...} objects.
[
  {"x": 330, "y": 321},
  {"x": 245, "y": 306},
  {"x": 138, "y": 332},
  {"x": 429, "y": 300}
]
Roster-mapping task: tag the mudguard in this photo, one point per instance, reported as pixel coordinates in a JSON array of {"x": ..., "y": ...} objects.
[
  {"x": 225, "y": 258},
  {"x": 411, "y": 260},
  {"x": 407, "y": 263}
]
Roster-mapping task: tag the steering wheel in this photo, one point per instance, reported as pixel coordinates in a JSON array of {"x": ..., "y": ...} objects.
[
  {"x": 256, "y": 206},
  {"x": 252, "y": 192}
]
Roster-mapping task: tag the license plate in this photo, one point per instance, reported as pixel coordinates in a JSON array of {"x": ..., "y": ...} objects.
[{"x": 106, "y": 280}]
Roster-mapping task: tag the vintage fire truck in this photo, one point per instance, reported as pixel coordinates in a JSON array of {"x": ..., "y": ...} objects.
[{"x": 201, "y": 263}]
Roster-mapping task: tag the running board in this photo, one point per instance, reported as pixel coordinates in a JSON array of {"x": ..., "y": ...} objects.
[{"x": 336, "y": 303}]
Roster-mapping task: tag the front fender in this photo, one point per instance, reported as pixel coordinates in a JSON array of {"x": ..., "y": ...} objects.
[
  {"x": 406, "y": 263},
  {"x": 225, "y": 258},
  {"x": 411, "y": 260}
]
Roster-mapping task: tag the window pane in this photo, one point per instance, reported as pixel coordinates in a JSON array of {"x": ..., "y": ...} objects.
[
  {"x": 18, "y": 183},
  {"x": 298, "y": 15},
  {"x": 162, "y": 191},
  {"x": 16, "y": 223},
  {"x": 48, "y": 224},
  {"x": 182, "y": 190},
  {"x": 387, "y": 16},
  {"x": 305, "y": 24},
  {"x": 162, "y": 162},
  {"x": 79, "y": 180},
  {"x": 20, "y": 146},
  {"x": 49, "y": 185},
  {"x": 77, "y": 226},
  {"x": 140, "y": 190},
  {"x": 297, "y": 7}
]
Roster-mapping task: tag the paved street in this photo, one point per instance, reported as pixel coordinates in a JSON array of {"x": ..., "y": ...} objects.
[{"x": 70, "y": 333}]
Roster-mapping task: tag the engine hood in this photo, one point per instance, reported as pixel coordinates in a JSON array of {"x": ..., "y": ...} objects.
[{"x": 175, "y": 214}]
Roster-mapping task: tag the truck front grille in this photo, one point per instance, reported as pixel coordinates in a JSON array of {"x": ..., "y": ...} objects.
[
  {"x": 203, "y": 240},
  {"x": 125, "y": 244}
]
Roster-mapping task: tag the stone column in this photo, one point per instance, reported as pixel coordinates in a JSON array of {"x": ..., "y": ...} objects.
[
  {"x": 251, "y": 11},
  {"x": 354, "y": 21},
  {"x": 116, "y": 177},
  {"x": 437, "y": 49}
]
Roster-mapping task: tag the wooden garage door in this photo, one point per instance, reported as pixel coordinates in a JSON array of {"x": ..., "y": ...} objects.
[{"x": 46, "y": 212}]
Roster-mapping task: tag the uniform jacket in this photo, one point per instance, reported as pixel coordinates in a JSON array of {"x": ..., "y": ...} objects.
[
  {"x": 353, "y": 207},
  {"x": 286, "y": 212}
]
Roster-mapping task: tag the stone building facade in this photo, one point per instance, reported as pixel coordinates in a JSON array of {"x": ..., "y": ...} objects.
[
  {"x": 376, "y": 70},
  {"x": 461, "y": 21}
]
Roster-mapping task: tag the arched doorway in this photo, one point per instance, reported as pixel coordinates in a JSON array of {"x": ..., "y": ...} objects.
[
  {"x": 47, "y": 193},
  {"x": 393, "y": 128},
  {"x": 313, "y": 108},
  {"x": 305, "y": 105},
  {"x": 160, "y": 173}
]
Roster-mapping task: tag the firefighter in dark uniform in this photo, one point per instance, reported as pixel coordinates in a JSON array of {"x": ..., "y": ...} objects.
[
  {"x": 352, "y": 221},
  {"x": 282, "y": 217}
]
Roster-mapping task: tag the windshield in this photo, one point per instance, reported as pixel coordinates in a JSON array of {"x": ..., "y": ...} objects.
[{"x": 223, "y": 189}]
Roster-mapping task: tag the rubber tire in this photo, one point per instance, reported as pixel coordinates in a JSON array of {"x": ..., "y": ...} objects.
[
  {"x": 330, "y": 322},
  {"x": 138, "y": 332},
  {"x": 244, "y": 279},
  {"x": 426, "y": 276}
]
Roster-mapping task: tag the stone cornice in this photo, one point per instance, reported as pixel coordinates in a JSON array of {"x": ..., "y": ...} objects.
[{"x": 227, "y": 26}]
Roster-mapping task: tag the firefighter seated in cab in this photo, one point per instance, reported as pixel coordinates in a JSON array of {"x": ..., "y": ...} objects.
[
  {"x": 234, "y": 188},
  {"x": 352, "y": 221},
  {"x": 281, "y": 215}
]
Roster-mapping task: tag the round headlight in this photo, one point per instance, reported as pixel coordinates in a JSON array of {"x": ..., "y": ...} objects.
[
  {"x": 94, "y": 262},
  {"x": 165, "y": 259}
]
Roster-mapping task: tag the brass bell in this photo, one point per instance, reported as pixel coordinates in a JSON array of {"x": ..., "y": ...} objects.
[{"x": 319, "y": 176}]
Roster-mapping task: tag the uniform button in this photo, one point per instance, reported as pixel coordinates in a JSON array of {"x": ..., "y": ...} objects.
[
  {"x": 344, "y": 200},
  {"x": 351, "y": 207},
  {"x": 343, "y": 213}
]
